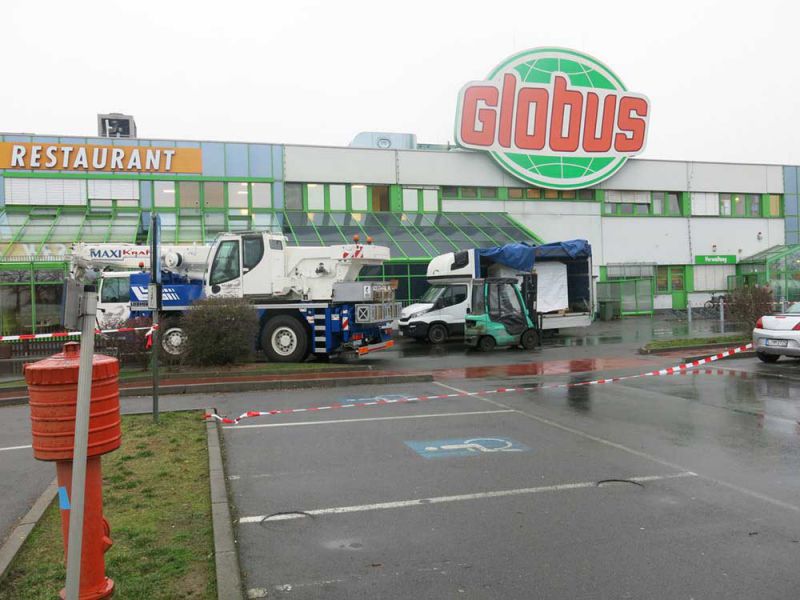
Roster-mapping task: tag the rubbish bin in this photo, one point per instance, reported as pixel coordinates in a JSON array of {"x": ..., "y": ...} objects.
[{"x": 610, "y": 310}]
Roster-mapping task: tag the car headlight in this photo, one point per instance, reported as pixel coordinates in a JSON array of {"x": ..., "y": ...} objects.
[{"x": 419, "y": 313}]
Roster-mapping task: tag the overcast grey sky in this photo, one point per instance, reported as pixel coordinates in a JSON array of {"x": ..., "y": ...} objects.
[{"x": 722, "y": 77}]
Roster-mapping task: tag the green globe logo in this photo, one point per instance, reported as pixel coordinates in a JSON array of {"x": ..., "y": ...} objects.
[{"x": 553, "y": 117}]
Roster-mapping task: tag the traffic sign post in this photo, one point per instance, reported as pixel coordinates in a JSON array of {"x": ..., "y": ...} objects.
[{"x": 154, "y": 300}]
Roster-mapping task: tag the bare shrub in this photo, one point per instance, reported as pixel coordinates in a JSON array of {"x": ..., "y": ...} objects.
[
  {"x": 745, "y": 305},
  {"x": 220, "y": 331}
]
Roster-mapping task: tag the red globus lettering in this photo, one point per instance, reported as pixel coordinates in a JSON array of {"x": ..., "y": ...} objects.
[{"x": 472, "y": 115}]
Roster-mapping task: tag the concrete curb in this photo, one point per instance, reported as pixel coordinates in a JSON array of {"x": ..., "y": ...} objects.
[
  {"x": 226, "y": 556},
  {"x": 20, "y": 533},
  {"x": 250, "y": 386}
]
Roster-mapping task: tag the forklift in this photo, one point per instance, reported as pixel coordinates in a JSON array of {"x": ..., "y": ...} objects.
[{"x": 503, "y": 314}]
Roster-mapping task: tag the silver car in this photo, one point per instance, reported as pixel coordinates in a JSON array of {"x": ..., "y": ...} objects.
[{"x": 778, "y": 335}]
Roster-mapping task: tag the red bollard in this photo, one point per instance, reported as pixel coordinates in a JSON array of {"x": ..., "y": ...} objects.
[{"x": 53, "y": 389}]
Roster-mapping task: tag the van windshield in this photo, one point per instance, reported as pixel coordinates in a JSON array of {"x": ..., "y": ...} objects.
[{"x": 433, "y": 293}]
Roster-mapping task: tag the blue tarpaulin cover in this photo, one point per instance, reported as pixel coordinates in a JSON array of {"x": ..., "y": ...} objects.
[
  {"x": 566, "y": 249},
  {"x": 517, "y": 256},
  {"x": 522, "y": 256}
]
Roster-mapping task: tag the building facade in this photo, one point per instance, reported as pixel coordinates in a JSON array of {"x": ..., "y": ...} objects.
[{"x": 681, "y": 227}]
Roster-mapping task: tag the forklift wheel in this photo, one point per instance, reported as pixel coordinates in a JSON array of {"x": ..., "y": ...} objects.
[
  {"x": 486, "y": 343},
  {"x": 529, "y": 339}
]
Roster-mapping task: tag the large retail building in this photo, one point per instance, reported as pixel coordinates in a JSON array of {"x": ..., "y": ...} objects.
[{"x": 680, "y": 227}]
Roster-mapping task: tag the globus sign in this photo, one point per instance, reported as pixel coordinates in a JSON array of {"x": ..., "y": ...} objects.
[{"x": 553, "y": 117}]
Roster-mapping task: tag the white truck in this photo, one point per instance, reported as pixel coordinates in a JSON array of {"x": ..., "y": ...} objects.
[
  {"x": 308, "y": 299},
  {"x": 565, "y": 296}
]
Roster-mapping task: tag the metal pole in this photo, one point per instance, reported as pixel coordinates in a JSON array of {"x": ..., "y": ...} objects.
[
  {"x": 156, "y": 343},
  {"x": 689, "y": 314},
  {"x": 75, "y": 539},
  {"x": 722, "y": 315}
]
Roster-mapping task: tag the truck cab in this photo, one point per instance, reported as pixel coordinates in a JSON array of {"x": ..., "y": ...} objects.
[{"x": 439, "y": 314}]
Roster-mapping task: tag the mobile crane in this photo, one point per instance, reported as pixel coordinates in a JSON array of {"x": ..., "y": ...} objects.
[{"x": 307, "y": 298}]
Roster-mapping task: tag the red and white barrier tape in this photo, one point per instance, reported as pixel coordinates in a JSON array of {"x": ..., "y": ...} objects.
[
  {"x": 63, "y": 334},
  {"x": 380, "y": 401}
]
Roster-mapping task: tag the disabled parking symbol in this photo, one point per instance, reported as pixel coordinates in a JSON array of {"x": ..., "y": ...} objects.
[{"x": 477, "y": 446}]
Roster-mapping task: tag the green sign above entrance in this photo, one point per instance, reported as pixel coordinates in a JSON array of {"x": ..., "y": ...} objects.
[
  {"x": 715, "y": 259},
  {"x": 553, "y": 117}
]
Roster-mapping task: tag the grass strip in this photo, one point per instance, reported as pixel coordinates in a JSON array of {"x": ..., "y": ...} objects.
[
  {"x": 157, "y": 500},
  {"x": 696, "y": 342}
]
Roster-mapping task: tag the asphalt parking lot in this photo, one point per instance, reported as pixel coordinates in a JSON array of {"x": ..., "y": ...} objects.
[{"x": 651, "y": 489}]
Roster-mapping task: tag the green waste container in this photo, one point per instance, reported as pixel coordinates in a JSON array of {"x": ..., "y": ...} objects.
[{"x": 610, "y": 310}]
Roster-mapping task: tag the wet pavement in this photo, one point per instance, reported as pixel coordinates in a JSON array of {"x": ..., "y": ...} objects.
[
  {"x": 682, "y": 486},
  {"x": 673, "y": 487}
]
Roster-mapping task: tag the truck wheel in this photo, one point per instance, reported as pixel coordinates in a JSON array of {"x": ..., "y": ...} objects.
[
  {"x": 284, "y": 339},
  {"x": 530, "y": 339},
  {"x": 437, "y": 334},
  {"x": 173, "y": 338},
  {"x": 768, "y": 358},
  {"x": 487, "y": 343}
]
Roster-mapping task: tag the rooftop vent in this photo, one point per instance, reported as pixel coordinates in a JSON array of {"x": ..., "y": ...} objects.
[{"x": 116, "y": 125}]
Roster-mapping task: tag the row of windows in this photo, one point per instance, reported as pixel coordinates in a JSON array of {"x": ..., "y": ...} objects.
[
  {"x": 216, "y": 195},
  {"x": 531, "y": 193}
]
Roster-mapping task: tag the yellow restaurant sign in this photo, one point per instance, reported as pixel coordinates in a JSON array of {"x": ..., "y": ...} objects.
[{"x": 90, "y": 157}]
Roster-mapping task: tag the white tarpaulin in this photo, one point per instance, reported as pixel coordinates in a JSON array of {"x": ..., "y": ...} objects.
[{"x": 551, "y": 286}]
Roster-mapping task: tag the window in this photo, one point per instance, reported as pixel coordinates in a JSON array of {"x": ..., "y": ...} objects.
[
  {"x": 338, "y": 197},
  {"x": 358, "y": 198},
  {"x": 478, "y": 304},
  {"x": 48, "y": 192},
  {"x": 774, "y": 205},
  {"x": 502, "y": 300},
  {"x": 410, "y": 200},
  {"x": 458, "y": 294},
  {"x": 658, "y": 203},
  {"x": 670, "y": 279},
  {"x": 115, "y": 289},
  {"x": 164, "y": 194},
  {"x": 469, "y": 192},
  {"x": 754, "y": 205},
  {"x": 275, "y": 245},
  {"x": 568, "y": 194},
  {"x": 262, "y": 195},
  {"x": 550, "y": 194},
  {"x": 213, "y": 192},
  {"x": 189, "y": 194},
  {"x": 487, "y": 192},
  {"x": 430, "y": 200},
  {"x": 673, "y": 204},
  {"x": 316, "y": 196},
  {"x": 293, "y": 196},
  {"x": 226, "y": 263},
  {"x": 585, "y": 194},
  {"x": 515, "y": 193},
  {"x": 237, "y": 195},
  {"x": 253, "y": 246},
  {"x": 738, "y": 205},
  {"x": 725, "y": 205},
  {"x": 450, "y": 191}
]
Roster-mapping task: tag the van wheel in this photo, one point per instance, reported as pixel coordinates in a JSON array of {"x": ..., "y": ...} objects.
[
  {"x": 437, "y": 334},
  {"x": 768, "y": 358},
  {"x": 487, "y": 343},
  {"x": 284, "y": 339},
  {"x": 530, "y": 339}
]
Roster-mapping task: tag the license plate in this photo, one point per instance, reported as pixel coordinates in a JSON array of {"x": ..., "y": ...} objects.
[{"x": 778, "y": 343}]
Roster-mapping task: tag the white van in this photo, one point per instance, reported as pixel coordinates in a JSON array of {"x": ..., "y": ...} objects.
[{"x": 439, "y": 314}]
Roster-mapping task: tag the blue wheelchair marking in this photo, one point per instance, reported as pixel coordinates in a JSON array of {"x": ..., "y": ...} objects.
[
  {"x": 472, "y": 446},
  {"x": 63, "y": 498}
]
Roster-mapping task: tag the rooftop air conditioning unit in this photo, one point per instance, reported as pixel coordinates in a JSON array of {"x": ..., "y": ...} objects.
[{"x": 116, "y": 125}]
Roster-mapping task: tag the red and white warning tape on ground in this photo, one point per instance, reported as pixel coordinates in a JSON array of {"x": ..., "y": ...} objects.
[
  {"x": 381, "y": 401},
  {"x": 63, "y": 334}
]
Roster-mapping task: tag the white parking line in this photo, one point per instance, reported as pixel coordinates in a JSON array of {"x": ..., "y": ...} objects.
[
  {"x": 605, "y": 442},
  {"x": 442, "y": 499},
  {"x": 328, "y": 422},
  {"x": 15, "y": 448}
]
